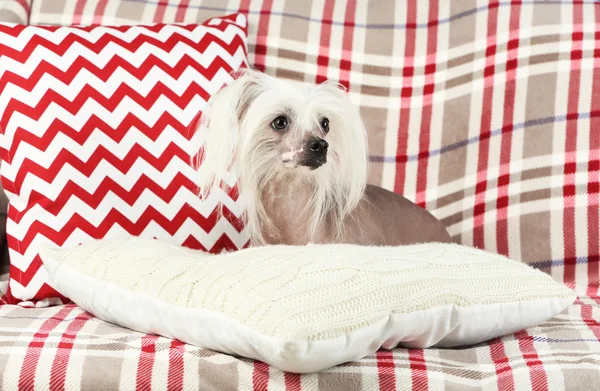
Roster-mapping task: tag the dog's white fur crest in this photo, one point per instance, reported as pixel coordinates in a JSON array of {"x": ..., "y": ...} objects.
[{"x": 235, "y": 126}]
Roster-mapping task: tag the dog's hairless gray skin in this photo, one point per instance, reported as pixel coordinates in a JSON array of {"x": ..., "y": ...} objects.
[{"x": 382, "y": 218}]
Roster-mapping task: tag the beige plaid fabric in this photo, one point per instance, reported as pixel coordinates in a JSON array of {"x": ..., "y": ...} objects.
[
  {"x": 63, "y": 347},
  {"x": 14, "y": 11},
  {"x": 482, "y": 112},
  {"x": 486, "y": 113}
]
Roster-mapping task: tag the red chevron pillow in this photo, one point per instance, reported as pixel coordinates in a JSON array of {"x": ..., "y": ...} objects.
[{"x": 97, "y": 138}]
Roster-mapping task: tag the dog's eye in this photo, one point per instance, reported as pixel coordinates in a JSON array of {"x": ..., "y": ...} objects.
[
  {"x": 325, "y": 124},
  {"x": 279, "y": 123}
]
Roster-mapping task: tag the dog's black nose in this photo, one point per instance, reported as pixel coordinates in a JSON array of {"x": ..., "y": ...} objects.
[
  {"x": 318, "y": 145},
  {"x": 316, "y": 153}
]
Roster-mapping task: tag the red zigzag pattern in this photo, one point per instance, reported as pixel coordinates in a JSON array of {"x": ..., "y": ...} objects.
[{"x": 141, "y": 136}]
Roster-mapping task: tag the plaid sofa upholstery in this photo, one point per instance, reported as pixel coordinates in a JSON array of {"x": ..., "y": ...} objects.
[
  {"x": 487, "y": 113},
  {"x": 63, "y": 347},
  {"x": 15, "y": 11}
]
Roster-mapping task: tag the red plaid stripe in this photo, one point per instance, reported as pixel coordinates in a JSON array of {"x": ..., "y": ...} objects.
[
  {"x": 385, "y": 370},
  {"x": 260, "y": 377},
  {"x": 63, "y": 353},
  {"x": 405, "y": 97},
  {"x": 347, "y": 43},
  {"x": 539, "y": 379},
  {"x": 569, "y": 189},
  {"x": 428, "y": 90},
  {"x": 559, "y": 349},
  {"x": 292, "y": 382},
  {"x": 146, "y": 363},
  {"x": 594, "y": 173},
  {"x": 326, "y": 27},
  {"x": 261, "y": 46},
  {"x": 587, "y": 312},
  {"x": 419, "y": 369},
  {"x": 502, "y": 365},
  {"x": 34, "y": 350},
  {"x": 505, "y": 183},
  {"x": 507, "y": 127},
  {"x": 176, "y": 365},
  {"x": 486, "y": 129}
]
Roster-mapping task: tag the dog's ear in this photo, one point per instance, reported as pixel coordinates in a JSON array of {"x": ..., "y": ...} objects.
[{"x": 220, "y": 128}]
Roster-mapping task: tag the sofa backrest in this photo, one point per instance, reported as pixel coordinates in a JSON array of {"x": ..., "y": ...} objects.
[{"x": 485, "y": 113}]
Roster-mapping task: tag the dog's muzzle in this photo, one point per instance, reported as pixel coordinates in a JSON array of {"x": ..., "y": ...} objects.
[{"x": 316, "y": 153}]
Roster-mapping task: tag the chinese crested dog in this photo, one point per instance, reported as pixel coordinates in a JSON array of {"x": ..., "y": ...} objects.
[{"x": 300, "y": 155}]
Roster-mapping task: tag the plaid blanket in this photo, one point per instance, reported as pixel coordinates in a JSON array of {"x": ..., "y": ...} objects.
[
  {"x": 487, "y": 113},
  {"x": 64, "y": 348}
]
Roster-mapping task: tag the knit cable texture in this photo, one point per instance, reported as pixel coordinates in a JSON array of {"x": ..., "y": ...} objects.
[{"x": 313, "y": 292}]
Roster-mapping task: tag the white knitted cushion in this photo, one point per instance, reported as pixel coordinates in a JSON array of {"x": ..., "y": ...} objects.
[{"x": 304, "y": 309}]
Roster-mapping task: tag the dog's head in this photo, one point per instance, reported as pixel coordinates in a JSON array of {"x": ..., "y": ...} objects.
[{"x": 263, "y": 127}]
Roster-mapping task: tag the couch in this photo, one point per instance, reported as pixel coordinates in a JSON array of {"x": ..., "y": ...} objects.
[{"x": 485, "y": 113}]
